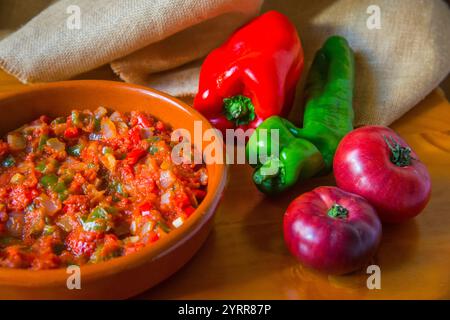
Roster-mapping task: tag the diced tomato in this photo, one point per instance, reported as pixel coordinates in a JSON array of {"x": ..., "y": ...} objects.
[
  {"x": 76, "y": 203},
  {"x": 134, "y": 156},
  {"x": 45, "y": 119},
  {"x": 135, "y": 135},
  {"x": 133, "y": 247},
  {"x": 182, "y": 199},
  {"x": 82, "y": 243},
  {"x": 111, "y": 245},
  {"x": 199, "y": 194},
  {"x": 160, "y": 126},
  {"x": 13, "y": 257},
  {"x": 189, "y": 210},
  {"x": 153, "y": 237},
  {"x": 143, "y": 121},
  {"x": 4, "y": 148},
  {"x": 145, "y": 208},
  {"x": 19, "y": 197},
  {"x": 71, "y": 133}
]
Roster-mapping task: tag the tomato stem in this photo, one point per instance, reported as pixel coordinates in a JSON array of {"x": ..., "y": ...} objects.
[
  {"x": 338, "y": 211},
  {"x": 239, "y": 109},
  {"x": 400, "y": 156}
]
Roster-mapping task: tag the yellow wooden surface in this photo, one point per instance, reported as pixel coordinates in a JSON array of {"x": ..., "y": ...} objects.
[{"x": 245, "y": 257}]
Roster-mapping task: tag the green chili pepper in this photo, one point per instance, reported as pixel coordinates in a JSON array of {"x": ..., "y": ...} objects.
[
  {"x": 75, "y": 150},
  {"x": 328, "y": 117},
  {"x": 9, "y": 161},
  {"x": 297, "y": 158},
  {"x": 329, "y": 93}
]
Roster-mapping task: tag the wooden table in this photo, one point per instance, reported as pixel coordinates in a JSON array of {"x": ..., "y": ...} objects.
[{"x": 245, "y": 257}]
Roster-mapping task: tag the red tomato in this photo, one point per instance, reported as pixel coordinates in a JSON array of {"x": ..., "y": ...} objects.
[
  {"x": 71, "y": 133},
  {"x": 332, "y": 230},
  {"x": 134, "y": 156},
  {"x": 377, "y": 164}
]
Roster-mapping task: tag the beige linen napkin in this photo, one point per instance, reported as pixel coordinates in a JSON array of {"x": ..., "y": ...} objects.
[
  {"x": 158, "y": 43},
  {"x": 146, "y": 36}
]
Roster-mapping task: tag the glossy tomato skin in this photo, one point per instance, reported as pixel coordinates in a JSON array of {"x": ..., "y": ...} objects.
[
  {"x": 329, "y": 244},
  {"x": 362, "y": 165}
]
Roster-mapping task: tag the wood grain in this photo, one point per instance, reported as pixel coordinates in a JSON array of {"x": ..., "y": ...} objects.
[{"x": 245, "y": 257}]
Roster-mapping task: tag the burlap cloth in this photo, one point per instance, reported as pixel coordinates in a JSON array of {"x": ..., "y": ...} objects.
[{"x": 159, "y": 42}]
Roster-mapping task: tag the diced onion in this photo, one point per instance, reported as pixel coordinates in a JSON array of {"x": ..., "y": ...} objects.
[
  {"x": 133, "y": 227},
  {"x": 146, "y": 133},
  {"x": 165, "y": 198},
  {"x": 178, "y": 222},
  {"x": 166, "y": 179},
  {"x": 148, "y": 226},
  {"x": 109, "y": 161},
  {"x": 56, "y": 145},
  {"x": 108, "y": 128},
  {"x": 49, "y": 205},
  {"x": 100, "y": 112},
  {"x": 65, "y": 223},
  {"x": 17, "y": 178},
  {"x": 116, "y": 116},
  {"x": 15, "y": 224},
  {"x": 16, "y": 141}
]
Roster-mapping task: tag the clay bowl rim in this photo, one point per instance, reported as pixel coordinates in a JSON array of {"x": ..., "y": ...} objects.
[{"x": 90, "y": 272}]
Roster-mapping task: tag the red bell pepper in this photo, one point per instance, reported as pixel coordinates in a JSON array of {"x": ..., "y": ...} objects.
[
  {"x": 253, "y": 75},
  {"x": 134, "y": 156},
  {"x": 71, "y": 133}
]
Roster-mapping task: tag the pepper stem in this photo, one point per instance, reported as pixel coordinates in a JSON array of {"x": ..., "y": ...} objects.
[
  {"x": 239, "y": 109},
  {"x": 337, "y": 211},
  {"x": 271, "y": 169},
  {"x": 400, "y": 156}
]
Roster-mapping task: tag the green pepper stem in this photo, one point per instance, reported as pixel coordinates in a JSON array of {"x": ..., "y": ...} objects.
[
  {"x": 239, "y": 109},
  {"x": 271, "y": 169},
  {"x": 337, "y": 211},
  {"x": 400, "y": 156}
]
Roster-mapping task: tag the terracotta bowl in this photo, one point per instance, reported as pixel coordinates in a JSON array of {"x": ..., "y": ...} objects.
[{"x": 125, "y": 276}]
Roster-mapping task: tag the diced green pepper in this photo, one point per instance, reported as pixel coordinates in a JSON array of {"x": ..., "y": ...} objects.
[
  {"x": 61, "y": 189},
  {"x": 117, "y": 187},
  {"x": 59, "y": 120},
  {"x": 75, "y": 150},
  {"x": 152, "y": 150},
  {"x": 48, "y": 230},
  {"x": 67, "y": 176},
  {"x": 163, "y": 226},
  {"x": 98, "y": 220},
  {"x": 49, "y": 180},
  {"x": 97, "y": 125},
  {"x": 98, "y": 213},
  {"x": 42, "y": 142},
  {"x": 106, "y": 150},
  {"x": 75, "y": 117},
  {"x": 41, "y": 166},
  {"x": 9, "y": 161}
]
